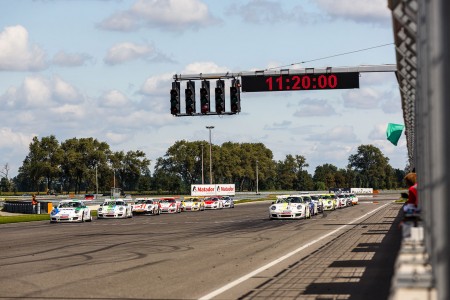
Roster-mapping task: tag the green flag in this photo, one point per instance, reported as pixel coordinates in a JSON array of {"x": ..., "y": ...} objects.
[{"x": 393, "y": 132}]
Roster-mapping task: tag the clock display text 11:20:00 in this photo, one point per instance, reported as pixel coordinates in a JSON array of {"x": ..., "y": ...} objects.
[{"x": 325, "y": 81}]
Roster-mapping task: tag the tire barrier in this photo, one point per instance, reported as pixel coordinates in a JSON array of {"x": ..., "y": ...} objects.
[{"x": 25, "y": 207}]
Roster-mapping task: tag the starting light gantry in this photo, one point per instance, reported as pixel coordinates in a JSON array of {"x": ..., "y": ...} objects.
[{"x": 261, "y": 81}]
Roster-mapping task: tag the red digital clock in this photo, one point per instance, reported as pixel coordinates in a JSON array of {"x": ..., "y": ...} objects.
[{"x": 299, "y": 82}]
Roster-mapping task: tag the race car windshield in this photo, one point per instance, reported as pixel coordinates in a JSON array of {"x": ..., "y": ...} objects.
[
  {"x": 140, "y": 201},
  {"x": 69, "y": 204},
  {"x": 294, "y": 199},
  {"x": 315, "y": 197},
  {"x": 149, "y": 201},
  {"x": 167, "y": 201}
]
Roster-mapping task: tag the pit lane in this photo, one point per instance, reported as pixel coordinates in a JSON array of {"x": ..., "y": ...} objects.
[{"x": 180, "y": 256}]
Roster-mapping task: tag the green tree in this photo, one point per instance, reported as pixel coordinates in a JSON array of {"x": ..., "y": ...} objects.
[
  {"x": 129, "y": 167},
  {"x": 326, "y": 174},
  {"x": 305, "y": 181},
  {"x": 371, "y": 165},
  {"x": 291, "y": 174},
  {"x": 42, "y": 161}
]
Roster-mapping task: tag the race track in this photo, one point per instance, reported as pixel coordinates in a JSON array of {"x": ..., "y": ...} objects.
[{"x": 228, "y": 254}]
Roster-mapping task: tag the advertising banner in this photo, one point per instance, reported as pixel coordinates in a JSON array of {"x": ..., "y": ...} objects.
[
  {"x": 213, "y": 190},
  {"x": 361, "y": 190}
]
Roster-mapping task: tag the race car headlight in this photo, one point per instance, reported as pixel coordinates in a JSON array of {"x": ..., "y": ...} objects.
[
  {"x": 121, "y": 208},
  {"x": 299, "y": 207},
  {"x": 99, "y": 209},
  {"x": 273, "y": 207}
]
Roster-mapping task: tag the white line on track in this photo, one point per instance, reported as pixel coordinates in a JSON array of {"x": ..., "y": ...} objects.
[{"x": 274, "y": 262}]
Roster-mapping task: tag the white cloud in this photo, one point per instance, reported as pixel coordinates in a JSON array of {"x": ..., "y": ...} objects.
[
  {"x": 36, "y": 92},
  {"x": 270, "y": 12},
  {"x": 67, "y": 111},
  {"x": 337, "y": 154},
  {"x": 14, "y": 147},
  {"x": 314, "y": 108},
  {"x": 65, "y": 59},
  {"x": 118, "y": 138},
  {"x": 344, "y": 134},
  {"x": 378, "y": 132},
  {"x": 157, "y": 85},
  {"x": 14, "y": 140},
  {"x": 40, "y": 92},
  {"x": 16, "y": 53},
  {"x": 122, "y": 21},
  {"x": 279, "y": 125},
  {"x": 203, "y": 67},
  {"x": 361, "y": 11},
  {"x": 125, "y": 52},
  {"x": 64, "y": 92},
  {"x": 261, "y": 12},
  {"x": 114, "y": 99},
  {"x": 364, "y": 98},
  {"x": 164, "y": 14}
]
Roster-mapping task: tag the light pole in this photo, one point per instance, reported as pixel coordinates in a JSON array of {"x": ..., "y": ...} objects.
[
  {"x": 96, "y": 180},
  {"x": 203, "y": 176},
  {"x": 210, "y": 154},
  {"x": 257, "y": 189}
]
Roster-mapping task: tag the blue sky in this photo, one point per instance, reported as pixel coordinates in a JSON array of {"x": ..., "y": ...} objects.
[{"x": 104, "y": 69}]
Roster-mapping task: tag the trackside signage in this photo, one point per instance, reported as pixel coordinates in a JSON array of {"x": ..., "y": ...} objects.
[
  {"x": 361, "y": 190},
  {"x": 213, "y": 190}
]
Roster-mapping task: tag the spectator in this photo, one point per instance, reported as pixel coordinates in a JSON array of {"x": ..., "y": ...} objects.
[
  {"x": 411, "y": 206},
  {"x": 34, "y": 203},
  {"x": 411, "y": 182}
]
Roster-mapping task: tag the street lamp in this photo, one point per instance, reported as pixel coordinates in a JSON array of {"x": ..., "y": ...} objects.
[
  {"x": 203, "y": 176},
  {"x": 210, "y": 154},
  {"x": 96, "y": 180},
  {"x": 257, "y": 188}
]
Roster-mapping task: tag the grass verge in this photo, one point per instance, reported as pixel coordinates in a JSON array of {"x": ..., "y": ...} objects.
[{"x": 24, "y": 218}]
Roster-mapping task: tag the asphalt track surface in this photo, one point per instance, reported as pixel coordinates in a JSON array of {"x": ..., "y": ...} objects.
[{"x": 226, "y": 254}]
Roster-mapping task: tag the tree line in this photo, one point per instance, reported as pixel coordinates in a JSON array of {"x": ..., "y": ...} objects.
[{"x": 86, "y": 164}]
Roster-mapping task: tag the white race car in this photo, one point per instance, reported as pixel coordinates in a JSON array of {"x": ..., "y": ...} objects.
[
  {"x": 289, "y": 207},
  {"x": 318, "y": 199},
  {"x": 70, "y": 211},
  {"x": 354, "y": 198},
  {"x": 213, "y": 203},
  {"x": 114, "y": 209},
  {"x": 227, "y": 201},
  {"x": 192, "y": 204},
  {"x": 170, "y": 205},
  {"x": 342, "y": 200},
  {"x": 313, "y": 205},
  {"x": 329, "y": 203},
  {"x": 147, "y": 206}
]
